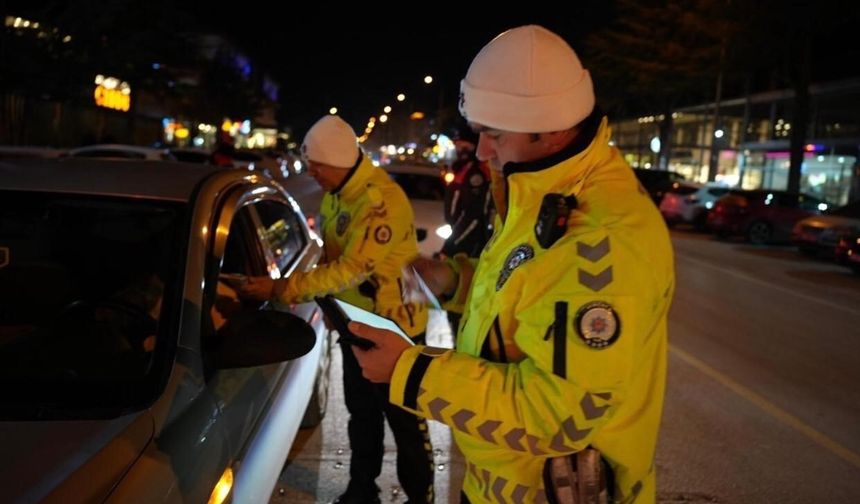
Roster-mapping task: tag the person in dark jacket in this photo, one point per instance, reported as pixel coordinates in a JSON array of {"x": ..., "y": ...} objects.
[{"x": 468, "y": 201}]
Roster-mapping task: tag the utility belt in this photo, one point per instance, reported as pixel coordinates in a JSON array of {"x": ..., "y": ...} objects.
[{"x": 579, "y": 478}]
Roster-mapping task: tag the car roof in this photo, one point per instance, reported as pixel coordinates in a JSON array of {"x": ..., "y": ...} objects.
[
  {"x": 117, "y": 147},
  {"x": 165, "y": 180}
]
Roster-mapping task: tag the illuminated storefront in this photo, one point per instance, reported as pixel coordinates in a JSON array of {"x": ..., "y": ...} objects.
[{"x": 750, "y": 141}]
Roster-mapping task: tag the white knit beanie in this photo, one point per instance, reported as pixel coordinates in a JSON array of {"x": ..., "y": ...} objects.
[
  {"x": 527, "y": 80},
  {"x": 331, "y": 141}
]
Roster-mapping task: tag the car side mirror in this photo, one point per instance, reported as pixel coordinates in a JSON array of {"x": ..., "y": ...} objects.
[
  {"x": 255, "y": 338},
  {"x": 421, "y": 234}
]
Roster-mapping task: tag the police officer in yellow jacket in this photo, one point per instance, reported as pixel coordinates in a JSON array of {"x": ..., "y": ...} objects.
[
  {"x": 367, "y": 226},
  {"x": 561, "y": 356}
]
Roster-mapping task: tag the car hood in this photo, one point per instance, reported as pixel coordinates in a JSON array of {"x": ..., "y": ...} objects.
[
  {"x": 69, "y": 461},
  {"x": 829, "y": 221}
]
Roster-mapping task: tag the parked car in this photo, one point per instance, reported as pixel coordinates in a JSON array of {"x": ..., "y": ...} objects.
[
  {"x": 425, "y": 189},
  {"x": 847, "y": 252},
  {"x": 689, "y": 202},
  {"x": 761, "y": 216},
  {"x": 259, "y": 161},
  {"x": 29, "y": 152},
  {"x": 657, "y": 182},
  {"x": 819, "y": 234},
  {"x": 131, "y": 371},
  {"x": 191, "y": 155},
  {"x": 120, "y": 151}
]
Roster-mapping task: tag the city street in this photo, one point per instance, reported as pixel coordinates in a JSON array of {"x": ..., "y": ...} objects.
[{"x": 762, "y": 398}]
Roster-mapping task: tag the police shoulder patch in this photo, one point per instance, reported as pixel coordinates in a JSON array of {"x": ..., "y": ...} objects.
[
  {"x": 515, "y": 258},
  {"x": 382, "y": 234},
  {"x": 597, "y": 325}
]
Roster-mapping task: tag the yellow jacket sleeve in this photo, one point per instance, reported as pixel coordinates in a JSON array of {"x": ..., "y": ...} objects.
[
  {"x": 558, "y": 396},
  {"x": 372, "y": 234},
  {"x": 464, "y": 268}
]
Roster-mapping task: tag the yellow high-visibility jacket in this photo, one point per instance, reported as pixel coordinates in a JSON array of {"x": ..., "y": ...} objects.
[
  {"x": 367, "y": 226},
  {"x": 559, "y": 348}
]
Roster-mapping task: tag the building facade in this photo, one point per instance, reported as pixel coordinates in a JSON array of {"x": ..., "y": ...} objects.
[{"x": 749, "y": 140}]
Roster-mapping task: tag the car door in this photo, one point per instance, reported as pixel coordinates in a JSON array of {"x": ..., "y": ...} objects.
[
  {"x": 791, "y": 207},
  {"x": 261, "y": 406}
]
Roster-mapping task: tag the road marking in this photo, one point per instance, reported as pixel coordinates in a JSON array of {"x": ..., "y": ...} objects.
[
  {"x": 749, "y": 278},
  {"x": 771, "y": 409}
]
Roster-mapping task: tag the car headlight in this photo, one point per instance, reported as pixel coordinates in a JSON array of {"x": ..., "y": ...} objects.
[{"x": 444, "y": 232}]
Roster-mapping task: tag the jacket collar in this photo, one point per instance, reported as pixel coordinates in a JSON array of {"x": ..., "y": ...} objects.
[
  {"x": 564, "y": 173},
  {"x": 352, "y": 184},
  {"x": 588, "y": 132}
]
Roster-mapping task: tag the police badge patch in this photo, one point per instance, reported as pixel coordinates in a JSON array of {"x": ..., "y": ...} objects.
[
  {"x": 597, "y": 325},
  {"x": 382, "y": 235},
  {"x": 517, "y": 256},
  {"x": 342, "y": 222}
]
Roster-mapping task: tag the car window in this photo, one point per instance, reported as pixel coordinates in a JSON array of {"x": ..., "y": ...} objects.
[
  {"x": 420, "y": 186},
  {"x": 786, "y": 200},
  {"x": 718, "y": 191},
  {"x": 284, "y": 233},
  {"x": 87, "y": 285},
  {"x": 242, "y": 255},
  {"x": 809, "y": 203}
]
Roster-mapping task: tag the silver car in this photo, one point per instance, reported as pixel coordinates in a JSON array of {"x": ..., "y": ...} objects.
[
  {"x": 130, "y": 370},
  {"x": 425, "y": 188}
]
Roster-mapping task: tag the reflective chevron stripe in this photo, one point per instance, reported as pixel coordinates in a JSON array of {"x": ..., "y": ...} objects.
[
  {"x": 593, "y": 253},
  {"x": 595, "y": 282},
  {"x": 592, "y": 410},
  {"x": 486, "y": 430},
  {"x": 460, "y": 418}
]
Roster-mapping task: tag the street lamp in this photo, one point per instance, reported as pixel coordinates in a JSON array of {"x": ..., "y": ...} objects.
[
  {"x": 387, "y": 109},
  {"x": 401, "y": 97},
  {"x": 332, "y": 110},
  {"x": 428, "y": 79}
]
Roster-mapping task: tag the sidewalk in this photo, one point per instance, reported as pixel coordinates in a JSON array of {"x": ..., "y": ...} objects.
[{"x": 318, "y": 466}]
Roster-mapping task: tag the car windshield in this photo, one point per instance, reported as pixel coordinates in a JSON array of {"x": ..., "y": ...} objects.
[
  {"x": 421, "y": 186},
  {"x": 86, "y": 289}
]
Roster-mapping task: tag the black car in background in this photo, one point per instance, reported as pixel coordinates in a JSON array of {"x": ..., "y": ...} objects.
[{"x": 657, "y": 182}]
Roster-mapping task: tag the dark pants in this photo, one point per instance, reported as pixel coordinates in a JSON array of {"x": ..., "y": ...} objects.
[{"x": 368, "y": 406}]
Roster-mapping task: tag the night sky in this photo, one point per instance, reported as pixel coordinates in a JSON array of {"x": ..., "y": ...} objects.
[{"x": 359, "y": 60}]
